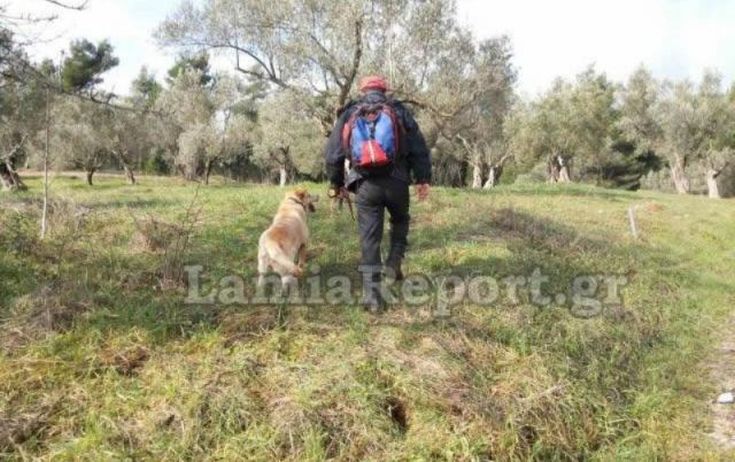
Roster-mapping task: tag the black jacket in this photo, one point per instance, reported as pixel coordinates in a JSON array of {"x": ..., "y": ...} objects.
[{"x": 413, "y": 157}]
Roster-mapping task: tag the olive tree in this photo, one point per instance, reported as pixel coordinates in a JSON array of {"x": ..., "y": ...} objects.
[
  {"x": 480, "y": 128},
  {"x": 313, "y": 52},
  {"x": 571, "y": 123},
  {"x": 318, "y": 49},
  {"x": 663, "y": 117},
  {"x": 716, "y": 116},
  {"x": 206, "y": 122},
  {"x": 21, "y": 119},
  {"x": 542, "y": 131},
  {"x": 77, "y": 139},
  {"x": 126, "y": 136},
  {"x": 289, "y": 140},
  {"x": 314, "y": 48},
  {"x": 23, "y": 98},
  {"x": 677, "y": 114},
  {"x": 190, "y": 107}
]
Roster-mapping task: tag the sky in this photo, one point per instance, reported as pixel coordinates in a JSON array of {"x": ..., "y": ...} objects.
[{"x": 675, "y": 39}]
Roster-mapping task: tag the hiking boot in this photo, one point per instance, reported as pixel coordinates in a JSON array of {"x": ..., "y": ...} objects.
[
  {"x": 372, "y": 298},
  {"x": 394, "y": 270},
  {"x": 373, "y": 303}
]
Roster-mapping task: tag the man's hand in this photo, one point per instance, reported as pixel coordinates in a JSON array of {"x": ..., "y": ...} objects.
[
  {"x": 338, "y": 193},
  {"x": 422, "y": 191}
]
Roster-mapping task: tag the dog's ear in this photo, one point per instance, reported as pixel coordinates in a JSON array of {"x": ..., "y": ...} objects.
[{"x": 300, "y": 193}]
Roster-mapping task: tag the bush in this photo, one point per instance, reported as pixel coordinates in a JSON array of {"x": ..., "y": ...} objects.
[
  {"x": 727, "y": 182},
  {"x": 18, "y": 232},
  {"x": 157, "y": 164},
  {"x": 536, "y": 175}
]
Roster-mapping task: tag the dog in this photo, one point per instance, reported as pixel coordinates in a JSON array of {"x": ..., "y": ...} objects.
[{"x": 286, "y": 239}]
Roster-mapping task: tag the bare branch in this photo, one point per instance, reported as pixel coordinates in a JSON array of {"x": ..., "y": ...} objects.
[
  {"x": 270, "y": 72},
  {"x": 61, "y": 4},
  {"x": 356, "y": 59},
  {"x": 328, "y": 66},
  {"x": 249, "y": 72}
]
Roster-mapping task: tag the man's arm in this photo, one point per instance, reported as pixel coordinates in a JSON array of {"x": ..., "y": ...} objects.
[
  {"x": 418, "y": 156},
  {"x": 334, "y": 153}
]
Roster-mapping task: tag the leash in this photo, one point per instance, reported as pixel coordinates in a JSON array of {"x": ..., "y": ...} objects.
[
  {"x": 340, "y": 200},
  {"x": 349, "y": 204}
]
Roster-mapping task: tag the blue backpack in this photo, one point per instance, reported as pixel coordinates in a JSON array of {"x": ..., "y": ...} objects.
[{"x": 371, "y": 135}]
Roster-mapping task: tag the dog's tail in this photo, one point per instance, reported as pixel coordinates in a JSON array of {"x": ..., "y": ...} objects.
[{"x": 275, "y": 253}]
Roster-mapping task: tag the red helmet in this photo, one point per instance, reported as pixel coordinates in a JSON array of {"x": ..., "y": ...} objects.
[{"x": 373, "y": 82}]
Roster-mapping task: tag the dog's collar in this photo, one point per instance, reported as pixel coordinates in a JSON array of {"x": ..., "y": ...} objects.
[{"x": 298, "y": 202}]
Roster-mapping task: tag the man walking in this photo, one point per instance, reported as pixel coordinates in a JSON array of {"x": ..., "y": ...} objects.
[{"x": 385, "y": 149}]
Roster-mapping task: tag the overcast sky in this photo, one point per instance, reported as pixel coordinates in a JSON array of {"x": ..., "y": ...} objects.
[{"x": 674, "y": 38}]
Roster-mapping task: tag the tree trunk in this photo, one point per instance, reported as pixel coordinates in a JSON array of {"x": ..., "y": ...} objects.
[
  {"x": 678, "y": 175},
  {"x": 188, "y": 172},
  {"x": 558, "y": 170},
  {"x": 90, "y": 172},
  {"x": 129, "y": 173},
  {"x": 9, "y": 178},
  {"x": 283, "y": 175},
  {"x": 6, "y": 178},
  {"x": 46, "y": 148},
  {"x": 122, "y": 157},
  {"x": 476, "y": 175},
  {"x": 552, "y": 171},
  {"x": 713, "y": 189},
  {"x": 208, "y": 171},
  {"x": 493, "y": 177},
  {"x": 564, "y": 176}
]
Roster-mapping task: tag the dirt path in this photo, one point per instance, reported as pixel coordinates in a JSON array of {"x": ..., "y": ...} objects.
[{"x": 723, "y": 372}]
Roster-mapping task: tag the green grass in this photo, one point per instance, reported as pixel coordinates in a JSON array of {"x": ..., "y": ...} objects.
[{"x": 102, "y": 359}]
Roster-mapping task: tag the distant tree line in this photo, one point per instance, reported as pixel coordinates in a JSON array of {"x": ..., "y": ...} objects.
[{"x": 296, "y": 66}]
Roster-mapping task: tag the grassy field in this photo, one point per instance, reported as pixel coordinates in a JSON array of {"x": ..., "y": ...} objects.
[{"x": 102, "y": 359}]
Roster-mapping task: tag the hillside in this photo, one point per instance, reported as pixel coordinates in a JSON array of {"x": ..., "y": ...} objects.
[{"x": 102, "y": 358}]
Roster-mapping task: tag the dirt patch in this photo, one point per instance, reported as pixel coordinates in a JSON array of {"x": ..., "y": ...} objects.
[
  {"x": 653, "y": 207},
  {"x": 397, "y": 412},
  {"x": 242, "y": 327},
  {"x": 126, "y": 362}
]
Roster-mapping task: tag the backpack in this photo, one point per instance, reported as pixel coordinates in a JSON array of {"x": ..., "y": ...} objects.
[{"x": 371, "y": 135}]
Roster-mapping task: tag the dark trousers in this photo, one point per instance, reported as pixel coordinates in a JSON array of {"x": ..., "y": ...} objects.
[{"x": 374, "y": 195}]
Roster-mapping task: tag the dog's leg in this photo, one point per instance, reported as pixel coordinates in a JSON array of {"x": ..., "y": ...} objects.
[
  {"x": 289, "y": 285},
  {"x": 263, "y": 264},
  {"x": 302, "y": 256}
]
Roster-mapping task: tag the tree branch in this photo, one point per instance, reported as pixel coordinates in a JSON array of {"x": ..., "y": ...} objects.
[
  {"x": 503, "y": 159},
  {"x": 356, "y": 59},
  {"x": 721, "y": 169},
  {"x": 61, "y": 4},
  {"x": 328, "y": 66},
  {"x": 16, "y": 148}
]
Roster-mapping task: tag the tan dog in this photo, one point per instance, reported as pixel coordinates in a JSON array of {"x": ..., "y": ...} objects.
[{"x": 286, "y": 239}]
